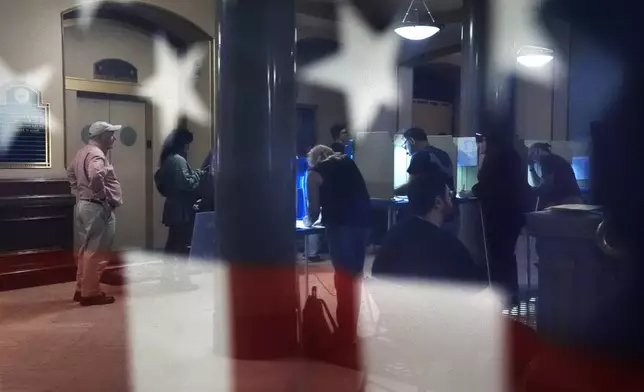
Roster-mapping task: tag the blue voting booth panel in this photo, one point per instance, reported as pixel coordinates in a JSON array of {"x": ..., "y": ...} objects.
[
  {"x": 301, "y": 166},
  {"x": 581, "y": 167},
  {"x": 350, "y": 149},
  {"x": 203, "y": 245}
]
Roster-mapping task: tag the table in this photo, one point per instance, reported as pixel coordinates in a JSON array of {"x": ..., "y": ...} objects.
[
  {"x": 392, "y": 205},
  {"x": 203, "y": 246},
  {"x": 203, "y": 243}
]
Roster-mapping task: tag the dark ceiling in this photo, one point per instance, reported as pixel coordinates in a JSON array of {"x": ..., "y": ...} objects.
[
  {"x": 150, "y": 19},
  {"x": 382, "y": 12}
]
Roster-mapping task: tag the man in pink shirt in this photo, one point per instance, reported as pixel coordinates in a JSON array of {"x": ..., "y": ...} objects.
[{"x": 98, "y": 194}]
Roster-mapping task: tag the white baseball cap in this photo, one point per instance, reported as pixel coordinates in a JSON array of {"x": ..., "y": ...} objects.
[{"x": 100, "y": 127}]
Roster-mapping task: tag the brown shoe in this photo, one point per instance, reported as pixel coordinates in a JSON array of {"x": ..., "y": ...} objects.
[
  {"x": 100, "y": 299},
  {"x": 77, "y": 296}
]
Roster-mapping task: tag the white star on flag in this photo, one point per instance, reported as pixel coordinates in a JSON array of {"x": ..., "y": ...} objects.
[
  {"x": 87, "y": 10},
  {"x": 37, "y": 79},
  {"x": 365, "y": 69},
  {"x": 172, "y": 85}
]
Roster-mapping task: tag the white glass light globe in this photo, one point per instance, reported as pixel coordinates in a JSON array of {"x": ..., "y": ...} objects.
[
  {"x": 534, "y": 60},
  {"x": 416, "y": 32}
]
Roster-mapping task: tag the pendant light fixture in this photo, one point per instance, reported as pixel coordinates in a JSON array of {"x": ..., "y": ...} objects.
[
  {"x": 418, "y": 23},
  {"x": 534, "y": 56}
]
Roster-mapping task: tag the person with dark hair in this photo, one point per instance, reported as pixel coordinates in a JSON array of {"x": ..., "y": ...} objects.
[
  {"x": 503, "y": 192},
  {"x": 418, "y": 247},
  {"x": 340, "y": 137},
  {"x": 336, "y": 186},
  {"x": 424, "y": 159},
  {"x": 557, "y": 183},
  {"x": 178, "y": 183}
]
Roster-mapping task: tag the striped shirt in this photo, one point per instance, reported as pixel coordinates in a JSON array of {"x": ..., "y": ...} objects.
[{"x": 91, "y": 177}]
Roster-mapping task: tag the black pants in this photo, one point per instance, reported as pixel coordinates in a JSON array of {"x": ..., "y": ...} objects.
[
  {"x": 179, "y": 239},
  {"x": 347, "y": 246},
  {"x": 501, "y": 245}
]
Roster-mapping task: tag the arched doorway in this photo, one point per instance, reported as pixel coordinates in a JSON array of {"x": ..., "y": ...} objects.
[{"x": 104, "y": 64}]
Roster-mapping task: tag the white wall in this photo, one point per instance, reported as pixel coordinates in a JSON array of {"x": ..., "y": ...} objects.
[
  {"x": 432, "y": 116},
  {"x": 31, "y": 38},
  {"x": 108, "y": 39},
  {"x": 105, "y": 40},
  {"x": 541, "y": 98},
  {"x": 405, "y": 97},
  {"x": 534, "y": 95},
  {"x": 330, "y": 109}
]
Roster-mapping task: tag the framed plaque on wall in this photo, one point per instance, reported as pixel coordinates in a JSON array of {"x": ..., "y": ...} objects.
[{"x": 25, "y": 138}]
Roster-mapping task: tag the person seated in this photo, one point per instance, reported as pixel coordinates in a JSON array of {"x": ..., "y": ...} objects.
[
  {"x": 418, "y": 246},
  {"x": 425, "y": 158}
]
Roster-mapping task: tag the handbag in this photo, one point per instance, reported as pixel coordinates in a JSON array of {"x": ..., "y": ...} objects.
[
  {"x": 318, "y": 328},
  {"x": 158, "y": 182}
]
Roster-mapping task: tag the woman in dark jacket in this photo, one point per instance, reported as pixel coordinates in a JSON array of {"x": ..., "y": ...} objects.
[
  {"x": 179, "y": 184},
  {"x": 503, "y": 192}
]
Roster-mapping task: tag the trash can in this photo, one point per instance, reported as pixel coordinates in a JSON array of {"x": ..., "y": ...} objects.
[{"x": 583, "y": 294}]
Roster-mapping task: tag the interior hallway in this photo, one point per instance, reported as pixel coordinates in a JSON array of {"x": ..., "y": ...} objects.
[
  {"x": 50, "y": 343},
  {"x": 153, "y": 338}
]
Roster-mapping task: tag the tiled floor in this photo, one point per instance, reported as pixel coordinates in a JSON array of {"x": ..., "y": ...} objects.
[{"x": 152, "y": 339}]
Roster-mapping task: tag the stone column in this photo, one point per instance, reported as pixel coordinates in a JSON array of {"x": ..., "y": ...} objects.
[
  {"x": 255, "y": 190},
  {"x": 485, "y": 87}
]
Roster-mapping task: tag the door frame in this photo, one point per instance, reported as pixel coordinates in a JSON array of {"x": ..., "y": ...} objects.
[
  {"x": 314, "y": 109},
  {"x": 122, "y": 91}
]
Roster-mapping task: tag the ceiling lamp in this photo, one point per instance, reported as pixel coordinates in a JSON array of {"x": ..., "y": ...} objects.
[
  {"x": 418, "y": 23},
  {"x": 534, "y": 56}
]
